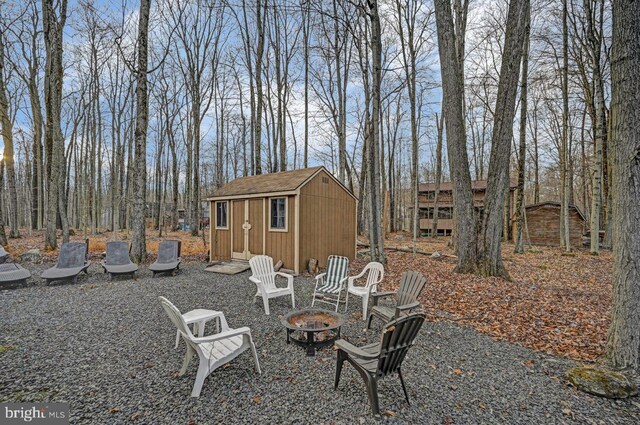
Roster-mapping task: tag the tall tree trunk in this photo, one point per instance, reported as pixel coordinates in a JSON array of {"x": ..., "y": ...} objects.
[
  {"x": 3, "y": 232},
  {"x": 438, "y": 179},
  {"x": 623, "y": 344},
  {"x": 595, "y": 44},
  {"x": 522, "y": 148},
  {"x": 498, "y": 177},
  {"x": 138, "y": 241},
  {"x": 260, "y": 22},
  {"x": 449, "y": 45},
  {"x": 306, "y": 15},
  {"x": 565, "y": 241},
  {"x": 376, "y": 232},
  {"x": 7, "y": 138},
  {"x": 53, "y": 26}
]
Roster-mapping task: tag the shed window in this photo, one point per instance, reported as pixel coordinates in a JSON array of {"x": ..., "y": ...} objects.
[
  {"x": 278, "y": 214},
  {"x": 221, "y": 215}
]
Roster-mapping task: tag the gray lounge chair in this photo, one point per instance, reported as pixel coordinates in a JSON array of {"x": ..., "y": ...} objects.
[
  {"x": 375, "y": 361},
  {"x": 4, "y": 255},
  {"x": 13, "y": 273},
  {"x": 168, "y": 258},
  {"x": 411, "y": 286},
  {"x": 71, "y": 262},
  {"x": 117, "y": 261}
]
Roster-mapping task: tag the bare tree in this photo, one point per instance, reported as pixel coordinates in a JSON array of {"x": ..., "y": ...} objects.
[
  {"x": 522, "y": 145},
  {"x": 3, "y": 232},
  {"x": 7, "y": 138},
  {"x": 438, "y": 176},
  {"x": 498, "y": 177},
  {"x": 53, "y": 24},
  {"x": 623, "y": 344},
  {"x": 451, "y": 56},
  {"x": 138, "y": 241}
]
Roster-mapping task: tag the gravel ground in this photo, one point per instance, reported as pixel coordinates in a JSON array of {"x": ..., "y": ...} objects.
[{"x": 107, "y": 349}]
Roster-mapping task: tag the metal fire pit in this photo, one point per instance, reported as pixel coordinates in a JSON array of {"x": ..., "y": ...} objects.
[{"x": 312, "y": 328}]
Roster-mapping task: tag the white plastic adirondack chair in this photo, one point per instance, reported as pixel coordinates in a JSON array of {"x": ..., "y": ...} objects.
[
  {"x": 265, "y": 279},
  {"x": 375, "y": 274},
  {"x": 329, "y": 285},
  {"x": 213, "y": 350}
]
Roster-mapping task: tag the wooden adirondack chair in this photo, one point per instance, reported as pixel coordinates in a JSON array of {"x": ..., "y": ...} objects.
[
  {"x": 411, "y": 286},
  {"x": 265, "y": 279},
  {"x": 375, "y": 274},
  {"x": 213, "y": 350},
  {"x": 375, "y": 361},
  {"x": 329, "y": 285}
]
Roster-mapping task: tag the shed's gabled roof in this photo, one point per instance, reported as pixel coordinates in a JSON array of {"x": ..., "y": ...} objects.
[
  {"x": 285, "y": 181},
  {"x": 555, "y": 204}
]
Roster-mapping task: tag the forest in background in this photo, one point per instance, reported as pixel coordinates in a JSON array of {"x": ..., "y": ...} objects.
[{"x": 241, "y": 88}]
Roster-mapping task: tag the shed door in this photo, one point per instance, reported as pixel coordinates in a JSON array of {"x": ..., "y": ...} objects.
[{"x": 247, "y": 228}]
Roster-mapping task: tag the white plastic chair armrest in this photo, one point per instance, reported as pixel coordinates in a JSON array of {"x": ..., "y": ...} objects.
[
  {"x": 254, "y": 280},
  {"x": 320, "y": 276},
  {"x": 223, "y": 335},
  {"x": 288, "y": 277}
]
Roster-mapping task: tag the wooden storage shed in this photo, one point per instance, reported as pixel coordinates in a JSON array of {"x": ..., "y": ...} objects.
[
  {"x": 543, "y": 224},
  {"x": 291, "y": 216}
]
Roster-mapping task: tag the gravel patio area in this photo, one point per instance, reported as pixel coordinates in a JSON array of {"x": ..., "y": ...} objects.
[{"x": 107, "y": 349}]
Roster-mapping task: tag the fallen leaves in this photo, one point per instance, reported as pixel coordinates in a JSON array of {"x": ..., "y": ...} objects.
[
  {"x": 257, "y": 399},
  {"x": 556, "y": 304}
]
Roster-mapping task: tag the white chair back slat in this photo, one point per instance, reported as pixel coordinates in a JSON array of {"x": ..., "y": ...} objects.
[
  {"x": 262, "y": 269},
  {"x": 176, "y": 318},
  {"x": 376, "y": 274}
]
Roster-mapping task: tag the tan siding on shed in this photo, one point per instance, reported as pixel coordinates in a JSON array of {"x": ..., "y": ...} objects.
[
  {"x": 281, "y": 245},
  {"x": 256, "y": 232},
  {"x": 327, "y": 221},
  {"x": 220, "y": 240},
  {"x": 543, "y": 223}
]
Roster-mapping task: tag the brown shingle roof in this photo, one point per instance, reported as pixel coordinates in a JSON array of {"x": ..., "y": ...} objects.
[
  {"x": 448, "y": 186},
  {"x": 266, "y": 183}
]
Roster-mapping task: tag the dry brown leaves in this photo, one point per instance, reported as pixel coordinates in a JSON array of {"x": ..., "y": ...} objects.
[
  {"x": 555, "y": 303},
  {"x": 192, "y": 248}
]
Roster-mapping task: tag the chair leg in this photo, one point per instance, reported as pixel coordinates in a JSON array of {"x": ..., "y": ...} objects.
[
  {"x": 255, "y": 357},
  {"x": 293, "y": 300},
  {"x": 203, "y": 371},
  {"x": 365, "y": 306},
  {"x": 406, "y": 395},
  {"x": 177, "y": 339},
  {"x": 372, "y": 392},
  {"x": 346, "y": 302},
  {"x": 369, "y": 322},
  {"x": 339, "y": 363},
  {"x": 187, "y": 359},
  {"x": 265, "y": 301}
]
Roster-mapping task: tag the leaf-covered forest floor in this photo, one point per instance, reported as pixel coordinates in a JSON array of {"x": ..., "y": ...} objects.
[{"x": 556, "y": 303}]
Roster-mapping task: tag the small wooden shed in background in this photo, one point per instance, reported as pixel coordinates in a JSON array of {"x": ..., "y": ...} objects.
[
  {"x": 543, "y": 224},
  {"x": 291, "y": 216}
]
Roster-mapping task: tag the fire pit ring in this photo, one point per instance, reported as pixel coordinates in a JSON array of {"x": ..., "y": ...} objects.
[{"x": 310, "y": 324}]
